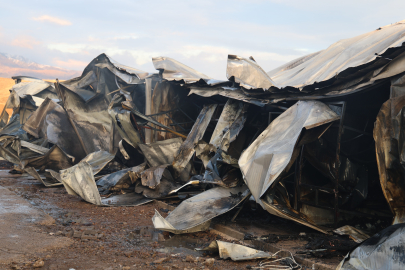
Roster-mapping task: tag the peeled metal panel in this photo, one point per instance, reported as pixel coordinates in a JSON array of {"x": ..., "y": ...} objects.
[
  {"x": 174, "y": 70},
  {"x": 389, "y": 139},
  {"x": 161, "y": 152},
  {"x": 338, "y": 57},
  {"x": 186, "y": 150},
  {"x": 233, "y": 110},
  {"x": 201, "y": 208},
  {"x": 247, "y": 73},
  {"x": 51, "y": 122},
  {"x": 264, "y": 160},
  {"x": 98, "y": 160},
  {"x": 384, "y": 250},
  {"x": 91, "y": 121},
  {"x": 80, "y": 179},
  {"x": 236, "y": 252}
]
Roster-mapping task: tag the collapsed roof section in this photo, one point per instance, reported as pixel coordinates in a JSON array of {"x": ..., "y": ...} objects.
[{"x": 121, "y": 136}]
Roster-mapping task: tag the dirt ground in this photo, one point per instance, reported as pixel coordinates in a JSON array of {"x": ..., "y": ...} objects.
[{"x": 124, "y": 236}]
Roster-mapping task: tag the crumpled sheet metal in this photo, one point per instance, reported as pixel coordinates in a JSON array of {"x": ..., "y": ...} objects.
[
  {"x": 118, "y": 114},
  {"x": 55, "y": 159},
  {"x": 192, "y": 213},
  {"x": 173, "y": 70},
  {"x": 80, "y": 180},
  {"x": 186, "y": 150},
  {"x": 151, "y": 177},
  {"x": 266, "y": 158},
  {"x": 120, "y": 180},
  {"x": 272, "y": 152},
  {"x": 98, "y": 160},
  {"x": 163, "y": 152},
  {"x": 229, "y": 124},
  {"x": 236, "y": 252},
  {"x": 389, "y": 139},
  {"x": 232, "y": 94},
  {"x": 51, "y": 122},
  {"x": 91, "y": 121},
  {"x": 32, "y": 88},
  {"x": 357, "y": 235},
  {"x": 31, "y": 171},
  {"x": 128, "y": 199},
  {"x": 384, "y": 250},
  {"x": 248, "y": 73},
  {"x": 338, "y": 57}
]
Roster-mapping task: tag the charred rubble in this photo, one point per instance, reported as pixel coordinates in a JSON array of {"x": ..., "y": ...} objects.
[{"x": 319, "y": 141}]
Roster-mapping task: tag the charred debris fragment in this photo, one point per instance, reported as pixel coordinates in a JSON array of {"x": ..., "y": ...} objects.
[{"x": 319, "y": 140}]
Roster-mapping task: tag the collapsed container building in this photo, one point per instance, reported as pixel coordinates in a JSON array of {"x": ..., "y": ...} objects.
[{"x": 319, "y": 140}]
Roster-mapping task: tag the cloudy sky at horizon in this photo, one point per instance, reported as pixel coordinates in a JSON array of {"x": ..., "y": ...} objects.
[{"x": 200, "y": 34}]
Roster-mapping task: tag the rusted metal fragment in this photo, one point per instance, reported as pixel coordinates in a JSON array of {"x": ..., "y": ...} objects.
[
  {"x": 186, "y": 150},
  {"x": 268, "y": 157},
  {"x": 51, "y": 122},
  {"x": 151, "y": 177},
  {"x": 389, "y": 139},
  {"x": 120, "y": 180},
  {"x": 200, "y": 209},
  {"x": 236, "y": 252},
  {"x": 80, "y": 180},
  {"x": 384, "y": 250},
  {"x": 248, "y": 73}
]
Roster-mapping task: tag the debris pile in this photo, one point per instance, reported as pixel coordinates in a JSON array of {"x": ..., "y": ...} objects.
[{"x": 318, "y": 140}]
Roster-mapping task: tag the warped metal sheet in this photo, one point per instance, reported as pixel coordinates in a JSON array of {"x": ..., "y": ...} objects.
[
  {"x": 91, "y": 121},
  {"x": 384, "y": 250},
  {"x": 270, "y": 154},
  {"x": 186, "y": 150},
  {"x": 123, "y": 117},
  {"x": 264, "y": 160},
  {"x": 248, "y": 73},
  {"x": 51, "y": 122},
  {"x": 80, "y": 180},
  {"x": 389, "y": 139},
  {"x": 233, "y": 94},
  {"x": 128, "y": 199},
  {"x": 31, "y": 88},
  {"x": 229, "y": 124},
  {"x": 161, "y": 152},
  {"x": 236, "y": 252},
  {"x": 54, "y": 159},
  {"x": 119, "y": 180},
  {"x": 98, "y": 160},
  {"x": 151, "y": 177},
  {"x": 200, "y": 209},
  {"x": 357, "y": 235},
  {"x": 31, "y": 171},
  {"x": 338, "y": 57},
  {"x": 174, "y": 70}
]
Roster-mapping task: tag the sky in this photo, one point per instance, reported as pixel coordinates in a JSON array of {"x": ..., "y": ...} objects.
[{"x": 200, "y": 34}]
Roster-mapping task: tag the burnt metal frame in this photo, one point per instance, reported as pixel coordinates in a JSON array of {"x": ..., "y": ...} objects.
[{"x": 298, "y": 171}]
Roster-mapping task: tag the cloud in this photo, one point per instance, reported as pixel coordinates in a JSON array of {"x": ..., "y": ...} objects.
[
  {"x": 25, "y": 42},
  {"x": 55, "y": 20},
  {"x": 70, "y": 64}
]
